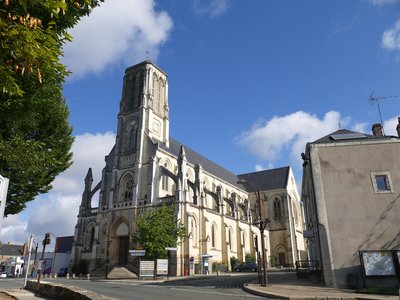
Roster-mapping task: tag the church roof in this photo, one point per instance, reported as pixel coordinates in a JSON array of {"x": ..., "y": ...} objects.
[
  {"x": 263, "y": 180},
  {"x": 267, "y": 179},
  {"x": 195, "y": 158}
]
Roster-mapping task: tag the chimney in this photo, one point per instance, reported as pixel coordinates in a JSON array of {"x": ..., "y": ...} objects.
[
  {"x": 377, "y": 129},
  {"x": 398, "y": 127}
]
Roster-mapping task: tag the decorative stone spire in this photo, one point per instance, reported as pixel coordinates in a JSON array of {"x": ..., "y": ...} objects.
[
  {"x": 89, "y": 179},
  {"x": 86, "y": 196}
]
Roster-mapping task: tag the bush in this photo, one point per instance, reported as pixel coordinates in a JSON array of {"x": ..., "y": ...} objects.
[
  {"x": 250, "y": 258},
  {"x": 234, "y": 262}
]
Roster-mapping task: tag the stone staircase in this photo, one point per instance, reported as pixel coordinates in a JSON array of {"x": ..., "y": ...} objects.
[
  {"x": 114, "y": 272},
  {"x": 121, "y": 273}
]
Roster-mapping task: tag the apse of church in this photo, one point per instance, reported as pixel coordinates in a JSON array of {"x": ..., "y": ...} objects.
[{"x": 147, "y": 168}]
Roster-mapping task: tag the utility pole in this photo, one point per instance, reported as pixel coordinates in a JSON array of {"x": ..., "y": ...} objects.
[
  {"x": 262, "y": 225},
  {"x": 26, "y": 267},
  {"x": 40, "y": 270}
]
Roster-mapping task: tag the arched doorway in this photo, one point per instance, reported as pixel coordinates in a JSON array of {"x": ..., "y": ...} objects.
[{"x": 123, "y": 243}]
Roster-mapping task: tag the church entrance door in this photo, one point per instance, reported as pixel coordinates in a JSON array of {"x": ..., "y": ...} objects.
[
  {"x": 123, "y": 252},
  {"x": 282, "y": 259}
]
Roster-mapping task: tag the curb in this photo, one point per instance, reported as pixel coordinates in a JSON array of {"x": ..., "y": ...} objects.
[{"x": 262, "y": 294}]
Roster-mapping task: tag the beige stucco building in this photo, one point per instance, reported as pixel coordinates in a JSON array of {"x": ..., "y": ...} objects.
[
  {"x": 351, "y": 191},
  {"x": 146, "y": 168}
]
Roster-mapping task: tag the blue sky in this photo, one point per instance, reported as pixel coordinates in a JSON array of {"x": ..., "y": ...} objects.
[{"x": 250, "y": 82}]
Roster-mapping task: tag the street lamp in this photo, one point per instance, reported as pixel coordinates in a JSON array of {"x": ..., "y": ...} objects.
[
  {"x": 261, "y": 224},
  {"x": 108, "y": 243}
]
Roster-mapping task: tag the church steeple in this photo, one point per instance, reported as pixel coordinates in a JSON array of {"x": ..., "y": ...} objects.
[{"x": 144, "y": 105}]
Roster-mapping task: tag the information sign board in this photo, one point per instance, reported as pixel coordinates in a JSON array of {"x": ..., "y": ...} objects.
[
  {"x": 137, "y": 252},
  {"x": 146, "y": 268},
  {"x": 378, "y": 263},
  {"x": 162, "y": 266}
]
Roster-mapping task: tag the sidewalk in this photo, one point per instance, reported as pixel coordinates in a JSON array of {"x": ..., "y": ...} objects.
[
  {"x": 19, "y": 294},
  {"x": 295, "y": 289}
]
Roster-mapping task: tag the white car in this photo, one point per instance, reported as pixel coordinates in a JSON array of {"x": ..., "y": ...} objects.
[{"x": 3, "y": 275}]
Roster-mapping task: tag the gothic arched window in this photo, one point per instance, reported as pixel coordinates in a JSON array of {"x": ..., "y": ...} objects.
[
  {"x": 213, "y": 237},
  {"x": 91, "y": 238},
  {"x": 277, "y": 208},
  {"x": 230, "y": 238},
  {"x": 128, "y": 189},
  {"x": 132, "y": 139}
]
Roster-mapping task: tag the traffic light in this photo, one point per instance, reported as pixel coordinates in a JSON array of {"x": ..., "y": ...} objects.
[{"x": 46, "y": 240}]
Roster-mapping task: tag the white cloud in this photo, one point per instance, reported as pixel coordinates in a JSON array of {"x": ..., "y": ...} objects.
[
  {"x": 212, "y": 8},
  {"x": 360, "y": 127},
  {"x": 382, "y": 2},
  {"x": 119, "y": 31},
  {"x": 389, "y": 126},
  {"x": 391, "y": 37},
  {"x": 290, "y": 133},
  {"x": 88, "y": 152},
  {"x": 57, "y": 211}
]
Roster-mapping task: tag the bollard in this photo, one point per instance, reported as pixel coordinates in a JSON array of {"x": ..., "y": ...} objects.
[
  {"x": 55, "y": 275},
  {"x": 67, "y": 275},
  {"x": 73, "y": 276},
  {"x": 88, "y": 276}
]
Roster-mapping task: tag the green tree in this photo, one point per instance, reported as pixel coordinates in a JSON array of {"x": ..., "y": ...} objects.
[
  {"x": 35, "y": 142},
  {"x": 157, "y": 229},
  {"x": 32, "y": 33},
  {"x": 250, "y": 258},
  {"x": 35, "y": 136}
]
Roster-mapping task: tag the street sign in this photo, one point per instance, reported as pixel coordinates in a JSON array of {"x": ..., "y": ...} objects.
[
  {"x": 206, "y": 256},
  {"x": 137, "y": 252},
  {"x": 3, "y": 196},
  {"x": 171, "y": 249}
]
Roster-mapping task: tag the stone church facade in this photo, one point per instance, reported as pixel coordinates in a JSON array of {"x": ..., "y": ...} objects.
[{"x": 146, "y": 168}]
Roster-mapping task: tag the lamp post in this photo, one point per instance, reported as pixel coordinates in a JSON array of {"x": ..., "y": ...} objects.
[
  {"x": 261, "y": 224},
  {"x": 108, "y": 243}
]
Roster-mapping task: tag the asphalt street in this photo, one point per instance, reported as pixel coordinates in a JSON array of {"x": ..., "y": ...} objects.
[{"x": 214, "y": 287}]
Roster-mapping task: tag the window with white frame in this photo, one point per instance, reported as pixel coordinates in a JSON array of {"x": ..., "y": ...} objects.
[{"x": 381, "y": 182}]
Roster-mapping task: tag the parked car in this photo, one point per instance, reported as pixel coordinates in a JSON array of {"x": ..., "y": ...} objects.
[
  {"x": 63, "y": 272},
  {"x": 247, "y": 266},
  {"x": 3, "y": 274}
]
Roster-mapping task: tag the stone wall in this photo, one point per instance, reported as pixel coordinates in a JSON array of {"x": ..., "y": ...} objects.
[{"x": 61, "y": 292}]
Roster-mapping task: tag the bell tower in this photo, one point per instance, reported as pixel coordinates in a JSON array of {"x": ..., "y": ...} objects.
[{"x": 143, "y": 107}]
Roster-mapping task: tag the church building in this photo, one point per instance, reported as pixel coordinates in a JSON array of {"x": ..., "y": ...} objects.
[{"x": 147, "y": 168}]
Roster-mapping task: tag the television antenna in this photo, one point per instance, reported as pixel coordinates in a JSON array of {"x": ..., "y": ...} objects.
[{"x": 373, "y": 99}]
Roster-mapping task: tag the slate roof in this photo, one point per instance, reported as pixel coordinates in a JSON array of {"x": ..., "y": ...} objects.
[
  {"x": 11, "y": 250},
  {"x": 267, "y": 179},
  {"x": 195, "y": 158},
  {"x": 328, "y": 138},
  {"x": 263, "y": 180}
]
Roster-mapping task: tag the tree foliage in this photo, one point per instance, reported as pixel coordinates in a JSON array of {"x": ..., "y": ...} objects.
[
  {"x": 157, "y": 229},
  {"x": 35, "y": 142},
  {"x": 32, "y": 33},
  {"x": 35, "y": 135}
]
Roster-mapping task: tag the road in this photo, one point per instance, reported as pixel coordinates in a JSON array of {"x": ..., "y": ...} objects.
[{"x": 221, "y": 287}]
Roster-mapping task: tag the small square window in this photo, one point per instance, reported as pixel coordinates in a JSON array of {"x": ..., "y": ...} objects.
[{"x": 381, "y": 182}]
